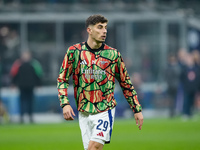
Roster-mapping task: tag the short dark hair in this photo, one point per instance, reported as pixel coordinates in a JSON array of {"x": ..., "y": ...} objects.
[{"x": 94, "y": 19}]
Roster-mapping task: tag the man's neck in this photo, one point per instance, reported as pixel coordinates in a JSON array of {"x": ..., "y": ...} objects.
[{"x": 94, "y": 44}]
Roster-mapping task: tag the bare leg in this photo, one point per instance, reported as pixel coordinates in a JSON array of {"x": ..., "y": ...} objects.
[{"x": 95, "y": 146}]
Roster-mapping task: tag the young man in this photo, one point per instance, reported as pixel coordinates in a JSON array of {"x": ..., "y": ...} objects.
[{"x": 95, "y": 66}]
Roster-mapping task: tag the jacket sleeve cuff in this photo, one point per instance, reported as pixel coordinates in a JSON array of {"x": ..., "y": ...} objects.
[
  {"x": 137, "y": 109},
  {"x": 63, "y": 105}
]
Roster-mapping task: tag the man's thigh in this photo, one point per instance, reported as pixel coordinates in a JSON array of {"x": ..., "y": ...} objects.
[{"x": 96, "y": 127}]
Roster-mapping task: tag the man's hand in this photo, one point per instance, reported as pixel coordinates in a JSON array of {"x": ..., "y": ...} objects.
[
  {"x": 68, "y": 112},
  {"x": 139, "y": 119}
]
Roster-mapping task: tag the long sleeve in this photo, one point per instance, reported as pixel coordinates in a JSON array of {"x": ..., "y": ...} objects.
[
  {"x": 14, "y": 70},
  {"x": 129, "y": 92},
  {"x": 63, "y": 78}
]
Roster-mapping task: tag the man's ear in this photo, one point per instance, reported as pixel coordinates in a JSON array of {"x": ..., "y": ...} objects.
[{"x": 89, "y": 30}]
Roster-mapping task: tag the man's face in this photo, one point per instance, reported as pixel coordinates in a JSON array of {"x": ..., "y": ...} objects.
[{"x": 98, "y": 32}]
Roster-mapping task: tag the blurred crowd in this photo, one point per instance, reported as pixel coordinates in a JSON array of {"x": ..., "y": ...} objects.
[
  {"x": 18, "y": 69},
  {"x": 183, "y": 82},
  {"x": 182, "y": 77},
  {"x": 9, "y": 51}
]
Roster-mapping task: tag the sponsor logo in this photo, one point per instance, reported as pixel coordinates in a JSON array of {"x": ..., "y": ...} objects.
[
  {"x": 93, "y": 74},
  {"x": 91, "y": 71},
  {"x": 100, "y": 134}
]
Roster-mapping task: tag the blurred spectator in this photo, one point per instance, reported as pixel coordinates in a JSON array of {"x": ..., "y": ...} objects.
[
  {"x": 4, "y": 117},
  {"x": 182, "y": 56},
  {"x": 12, "y": 43},
  {"x": 196, "y": 56},
  {"x": 3, "y": 50},
  {"x": 12, "y": 40},
  {"x": 26, "y": 73},
  {"x": 9, "y": 50},
  {"x": 172, "y": 75},
  {"x": 190, "y": 79}
]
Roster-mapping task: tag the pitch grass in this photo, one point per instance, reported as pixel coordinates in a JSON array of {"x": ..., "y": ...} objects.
[{"x": 157, "y": 134}]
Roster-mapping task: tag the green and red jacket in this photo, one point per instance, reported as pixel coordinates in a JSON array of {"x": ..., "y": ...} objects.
[{"x": 94, "y": 72}]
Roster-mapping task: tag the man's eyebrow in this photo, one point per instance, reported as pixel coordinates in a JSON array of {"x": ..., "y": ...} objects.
[{"x": 100, "y": 25}]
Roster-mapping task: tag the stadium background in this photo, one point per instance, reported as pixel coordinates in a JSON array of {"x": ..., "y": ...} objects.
[{"x": 144, "y": 31}]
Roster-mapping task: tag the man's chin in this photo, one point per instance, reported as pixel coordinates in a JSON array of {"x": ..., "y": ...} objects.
[{"x": 101, "y": 41}]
